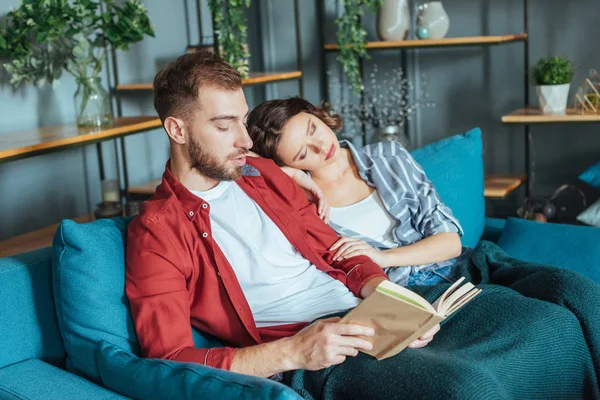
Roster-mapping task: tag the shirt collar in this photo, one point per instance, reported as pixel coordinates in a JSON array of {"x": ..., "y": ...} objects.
[
  {"x": 363, "y": 161},
  {"x": 189, "y": 201}
]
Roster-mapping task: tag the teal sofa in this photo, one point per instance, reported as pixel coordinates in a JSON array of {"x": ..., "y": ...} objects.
[{"x": 66, "y": 331}]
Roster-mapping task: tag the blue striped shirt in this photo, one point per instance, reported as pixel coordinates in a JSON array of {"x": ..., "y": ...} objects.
[{"x": 408, "y": 196}]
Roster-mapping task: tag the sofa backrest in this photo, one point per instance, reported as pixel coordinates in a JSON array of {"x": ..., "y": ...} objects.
[
  {"x": 455, "y": 166},
  {"x": 28, "y": 323}
]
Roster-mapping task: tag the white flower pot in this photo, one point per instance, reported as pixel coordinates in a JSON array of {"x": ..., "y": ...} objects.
[
  {"x": 433, "y": 22},
  {"x": 553, "y": 98},
  {"x": 393, "y": 20}
]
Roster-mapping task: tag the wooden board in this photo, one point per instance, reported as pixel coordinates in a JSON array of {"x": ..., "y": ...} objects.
[
  {"x": 34, "y": 240},
  {"x": 534, "y": 116},
  {"x": 498, "y": 186},
  {"x": 254, "y": 78},
  {"x": 147, "y": 188},
  {"x": 53, "y": 138},
  {"x": 445, "y": 42}
]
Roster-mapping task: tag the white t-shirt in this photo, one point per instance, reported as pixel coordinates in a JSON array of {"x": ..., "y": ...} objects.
[
  {"x": 368, "y": 218},
  {"x": 280, "y": 285}
]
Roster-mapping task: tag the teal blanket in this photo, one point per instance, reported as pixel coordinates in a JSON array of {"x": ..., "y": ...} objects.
[{"x": 533, "y": 333}]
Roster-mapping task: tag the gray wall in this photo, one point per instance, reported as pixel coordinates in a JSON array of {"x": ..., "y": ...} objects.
[{"x": 471, "y": 87}]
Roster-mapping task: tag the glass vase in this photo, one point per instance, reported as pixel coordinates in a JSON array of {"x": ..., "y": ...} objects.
[{"x": 92, "y": 104}]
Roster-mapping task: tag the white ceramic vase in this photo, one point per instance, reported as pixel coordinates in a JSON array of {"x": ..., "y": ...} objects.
[
  {"x": 393, "y": 20},
  {"x": 553, "y": 98},
  {"x": 433, "y": 21}
]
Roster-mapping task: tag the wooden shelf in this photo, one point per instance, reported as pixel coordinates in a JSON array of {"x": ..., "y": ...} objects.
[
  {"x": 535, "y": 116},
  {"x": 146, "y": 188},
  {"x": 445, "y": 42},
  {"x": 266, "y": 77},
  {"x": 498, "y": 186},
  {"x": 34, "y": 240},
  {"x": 255, "y": 78},
  {"x": 53, "y": 138}
]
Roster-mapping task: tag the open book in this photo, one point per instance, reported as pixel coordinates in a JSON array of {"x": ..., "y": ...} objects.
[{"x": 400, "y": 316}]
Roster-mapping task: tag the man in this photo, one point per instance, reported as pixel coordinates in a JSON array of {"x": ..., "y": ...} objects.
[{"x": 233, "y": 246}]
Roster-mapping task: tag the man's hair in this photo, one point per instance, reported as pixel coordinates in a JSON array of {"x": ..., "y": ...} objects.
[
  {"x": 267, "y": 120},
  {"x": 177, "y": 85}
]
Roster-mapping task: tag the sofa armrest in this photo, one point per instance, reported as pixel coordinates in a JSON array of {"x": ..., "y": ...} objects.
[{"x": 493, "y": 229}]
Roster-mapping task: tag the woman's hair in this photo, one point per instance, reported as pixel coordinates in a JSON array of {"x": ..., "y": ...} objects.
[{"x": 267, "y": 120}]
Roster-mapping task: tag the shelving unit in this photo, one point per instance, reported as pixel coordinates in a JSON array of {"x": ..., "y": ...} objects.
[
  {"x": 535, "y": 116},
  {"x": 34, "y": 142},
  {"x": 254, "y": 78},
  {"x": 497, "y": 185},
  {"x": 445, "y": 42},
  {"x": 29, "y": 143},
  {"x": 34, "y": 240}
]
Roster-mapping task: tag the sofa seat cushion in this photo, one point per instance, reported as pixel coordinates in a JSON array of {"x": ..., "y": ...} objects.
[
  {"x": 455, "y": 166},
  {"x": 566, "y": 246},
  {"x": 149, "y": 378},
  {"x": 35, "y": 379}
]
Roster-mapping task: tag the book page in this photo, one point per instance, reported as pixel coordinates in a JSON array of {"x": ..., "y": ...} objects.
[
  {"x": 404, "y": 294},
  {"x": 456, "y": 296},
  {"x": 438, "y": 303}
]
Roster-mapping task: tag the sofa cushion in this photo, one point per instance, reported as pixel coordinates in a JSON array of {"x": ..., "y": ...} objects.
[
  {"x": 28, "y": 325},
  {"x": 566, "y": 246},
  {"x": 455, "y": 166},
  {"x": 89, "y": 291},
  {"x": 35, "y": 379},
  {"x": 592, "y": 175},
  {"x": 591, "y": 215},
  {"x": 149, "y": 379}
]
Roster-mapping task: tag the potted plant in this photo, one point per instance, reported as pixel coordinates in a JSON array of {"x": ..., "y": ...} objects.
[
  {"x": 552, "y": 76},
  {"x": 43, "y": 38},
  {"x": 231, "y": 32},
  {"x": 351, "y": 37}
]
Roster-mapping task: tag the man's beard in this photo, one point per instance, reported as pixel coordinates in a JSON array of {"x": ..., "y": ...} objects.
[{"x": 209, "y": 166}]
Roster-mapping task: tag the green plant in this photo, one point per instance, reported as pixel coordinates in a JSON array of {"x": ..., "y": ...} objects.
[
  {"x": 553, "y": 70},
  {"x": 43, "y": 37},
  {"x": 232, "y": 35},
  {"x": 351, "y": 37}
]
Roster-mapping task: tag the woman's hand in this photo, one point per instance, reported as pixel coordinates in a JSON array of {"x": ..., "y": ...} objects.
[
  {"x": 313, "y": 191},
  {"x": 425, "y": 339},
  {"x": 350, "y": 247}
]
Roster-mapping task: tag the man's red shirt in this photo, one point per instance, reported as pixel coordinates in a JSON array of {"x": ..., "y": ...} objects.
[{"x": 178, "y": 277}]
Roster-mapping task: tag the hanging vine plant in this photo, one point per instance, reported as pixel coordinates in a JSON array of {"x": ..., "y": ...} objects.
[
  {"x": 231, "y": 30},
  {"x": 352, "y": 37}
]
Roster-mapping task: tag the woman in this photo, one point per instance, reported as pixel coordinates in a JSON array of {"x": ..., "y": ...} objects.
[{"x": 380, "y": 200}]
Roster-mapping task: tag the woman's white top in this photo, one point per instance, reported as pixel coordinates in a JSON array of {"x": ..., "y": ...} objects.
[{"x": 369, "y": 218}]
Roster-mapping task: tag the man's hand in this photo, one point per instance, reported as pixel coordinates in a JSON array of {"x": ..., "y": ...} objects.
[
  {"x": 325, "y": 343},
  {"x": 350, "y": 247},
  {"x": 425, "y": 339}
]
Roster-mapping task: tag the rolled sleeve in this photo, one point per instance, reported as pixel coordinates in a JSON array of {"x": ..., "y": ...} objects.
[
  {"x": 439, "y": 219},
  {"x": 432, "y": 215}
]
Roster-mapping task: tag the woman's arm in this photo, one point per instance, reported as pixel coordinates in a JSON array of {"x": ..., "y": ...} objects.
[
  {"x": 435, "y": 248},
  {"x": 312, "y": 190}
]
